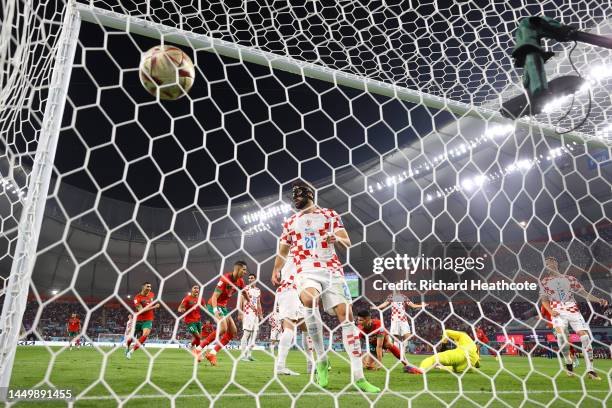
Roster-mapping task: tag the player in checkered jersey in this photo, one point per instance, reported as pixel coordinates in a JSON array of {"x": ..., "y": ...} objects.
[
  {"x": 250, "y": 313},
  {"x": 291, "y": 314},
  {"x": 557, "y": 292},
  {"x": 309, "y": 238},
  {"x": 400, "y": 321}
]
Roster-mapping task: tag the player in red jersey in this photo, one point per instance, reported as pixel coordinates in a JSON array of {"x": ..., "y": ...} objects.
[
  {"x": 207, "y": 328},
  {"x": 74, "y": 328},
  {"x": 482, "y": 338},
  {"x": 229, "y": 284},
  {"x": 378, "y": 340},
  {"x": 145, "y": 306},
  {"x": 191, "y": 306}
]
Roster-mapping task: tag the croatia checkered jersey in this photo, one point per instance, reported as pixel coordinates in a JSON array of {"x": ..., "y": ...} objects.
[
  {"x": 559, "y": 291},
  {"x": 287, "y": 277},
  {"x": 250, "y": 308},
  {"x": 398, "y": 307},
  {"x": 275, "y": 323},
  {"x": 305, "y": 234}
]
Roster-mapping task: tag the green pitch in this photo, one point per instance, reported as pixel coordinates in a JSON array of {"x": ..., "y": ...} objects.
[{"x": 173, "y": 372}]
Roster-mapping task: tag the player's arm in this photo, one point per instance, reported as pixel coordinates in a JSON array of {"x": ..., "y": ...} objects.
[
  {"x": 181, "y": 308},
  {"x": 215, "y": 297},
  {"x": 415, "y": 305},
  {"x": 259, "y": 308},
  {"x": 279, "y": 262},
  {"x": 382, "y": 306},
  {"x": 341, "y": 237},
  {"x": 241, "y": 306},
  {"x": 148, "y": 307},
  {"x": 582, "y": 292},
  {"x": 546, "y": 306}
]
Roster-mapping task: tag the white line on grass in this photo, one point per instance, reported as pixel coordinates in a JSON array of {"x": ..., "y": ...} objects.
[{"x": 315, "y": 394}]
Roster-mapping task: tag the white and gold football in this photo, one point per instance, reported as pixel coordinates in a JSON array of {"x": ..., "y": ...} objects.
[{"x": 167, "y": 71}]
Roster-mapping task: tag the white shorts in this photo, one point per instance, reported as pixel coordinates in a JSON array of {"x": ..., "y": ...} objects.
[
  {"x": 400, "y": 328},
  {"x": 574, "y": 319},
  {"x": 275, "y": 334},
  {"x": 250, "y": 322},
  {"x": 333, "y": 289},
  {"x": 289, "y": 305}
]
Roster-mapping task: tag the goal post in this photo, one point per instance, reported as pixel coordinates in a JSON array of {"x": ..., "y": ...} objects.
[{"x": 18, "y": 285}]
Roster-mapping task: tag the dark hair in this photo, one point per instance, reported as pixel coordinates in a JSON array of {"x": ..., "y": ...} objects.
[
  {"x": 364, "y": 313},
  {"x": 146, "y": 283},
  {"x": 252, "y": 274},
  {"x": 240, "y": 263}
]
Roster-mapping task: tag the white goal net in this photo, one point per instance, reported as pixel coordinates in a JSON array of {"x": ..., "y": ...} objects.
[{"x": 390, "y": 111}]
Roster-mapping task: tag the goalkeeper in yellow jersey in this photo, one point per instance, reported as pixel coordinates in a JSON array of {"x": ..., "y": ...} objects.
[{"x": 457, "y": 359}]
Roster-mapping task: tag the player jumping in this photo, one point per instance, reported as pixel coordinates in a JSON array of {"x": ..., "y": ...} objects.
[
  {"x": 74, "y": 328},
  {"x": 309, "y": 238},
  {"x": 191, "y": 304},
  {"x": 378, "y": 339},
  {"x": 557, "y": 293},
  {"x": 250, "y": 313},
  {"x": 145, "y": 307},
  {"x": 229, "y": 284},
  {"x": 400, "y": 325},
  {"x": 457, "y": 360}
]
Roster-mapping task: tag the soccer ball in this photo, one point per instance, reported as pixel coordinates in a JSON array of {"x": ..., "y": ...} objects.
[{"x": 167, "y": 70}]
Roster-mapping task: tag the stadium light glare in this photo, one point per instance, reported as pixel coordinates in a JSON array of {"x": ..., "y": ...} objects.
[{"x": 54, "y": 292}]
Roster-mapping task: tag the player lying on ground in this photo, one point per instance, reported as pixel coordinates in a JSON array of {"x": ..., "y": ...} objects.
[
  {"x": 291, "y": 313},
  {"x": 400, "y": 321},
  {"x": 145, "y": 307},
  {"x": 191, "y": 305},
  {"x": 74, "y": 328},
  {"x": 375, "y": 335},
  {"x": 250, "y": 313},
  {"x": 309, "y": 238},
  {"x": 457, "y": 360},
  {"x": 229, "y": 284},
  {"x": 557, "y": 293}
]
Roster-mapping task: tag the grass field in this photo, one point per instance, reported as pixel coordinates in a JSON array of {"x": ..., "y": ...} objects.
[{"x": 173, "y": 372}]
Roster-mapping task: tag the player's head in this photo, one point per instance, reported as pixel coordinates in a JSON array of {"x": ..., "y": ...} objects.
[
  {"x": 252, "y": 279},
  {"x": 195, "y": 290},
  {"x": 74, "y": 315},
  {"x": 146, "y": 288},
  {"x": 302, "y": 195},
  {"x": 364, "y": 317},
  {"x": 240, "y": 268},
  {"x": 551, "y": 264}
]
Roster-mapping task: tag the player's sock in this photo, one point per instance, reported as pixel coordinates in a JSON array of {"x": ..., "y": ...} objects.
[
  {"x": 227, "y": 337},
  {"x": 352, "y": 345},
  {"x": 211, "y": 337},
  {"x": 141, "y": 341},
  {"x": 563, "y": 347},
  {"x": 272, "y": 348},
  {"x": 587, "y": 352},
  {"x": 397, "y": 353},
  {"x": 195, "y": 342},
  {"x": 244, "y": 341},
  {"x": 315, "y": 331},
  {"x": 284, "y": 345},
  {"x": 129, "y": 343},
  {"x": 307, "y": 346}
]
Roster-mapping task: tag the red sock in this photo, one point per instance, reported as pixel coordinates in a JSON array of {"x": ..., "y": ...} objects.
[
  {"x": 141, "y": 341},
  {"x": 129, "y": 342},
  {"x": 209, "y": 339},
  {"x": 224, "y": 340},
  {"x": 396, "y": 352}
]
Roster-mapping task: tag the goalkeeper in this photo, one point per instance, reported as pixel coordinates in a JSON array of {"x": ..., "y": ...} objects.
[{"x": 457, "y": 359}]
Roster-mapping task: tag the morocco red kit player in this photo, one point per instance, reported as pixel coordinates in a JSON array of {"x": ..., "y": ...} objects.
[
  {"x": 145, "y": 306},
  {"x": 74, "y": 327},
  {"x": 191, "y": 305},
  {"x": 378, "y": 340},
  {"x": 229, "y": 284}
]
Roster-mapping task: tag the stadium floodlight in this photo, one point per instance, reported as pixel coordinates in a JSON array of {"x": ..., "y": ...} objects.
[
  {"x": 54, "y": 292},
  {"x": 530, "y": 55}
]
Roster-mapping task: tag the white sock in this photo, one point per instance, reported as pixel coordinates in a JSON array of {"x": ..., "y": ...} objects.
[
  {"x": 284, "y": 345},
  {"x": 315, "y": 331},
  {"x": 563, "y": 345},
  {"x": 307, "y": 346},
  {"x": 272, "y": 348},
  {"x": 244, "y": 341},
  {"x": 352, "y": 345},
  {"x": 587, "y": 351},
  {"x": 252, "y": 340}
]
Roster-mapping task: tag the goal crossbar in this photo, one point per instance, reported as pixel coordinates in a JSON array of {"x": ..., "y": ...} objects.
[{"x": 186, "y": 38}]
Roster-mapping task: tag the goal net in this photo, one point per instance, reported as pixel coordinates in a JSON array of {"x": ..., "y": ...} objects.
[{"x": 390, "y": 111}]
